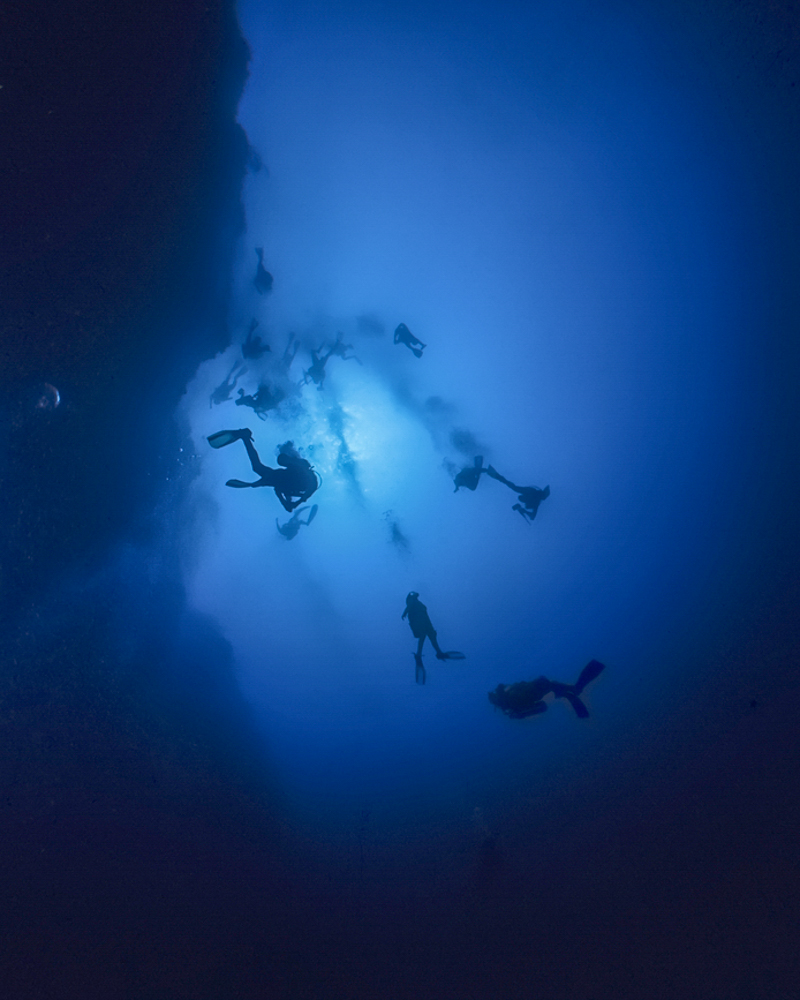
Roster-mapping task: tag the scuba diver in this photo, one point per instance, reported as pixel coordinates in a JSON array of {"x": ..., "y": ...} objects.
[
  {"x": 292, "y": 526},
  {"x": 529, "y": 496},
  {"x": 525, "y": 698},
  {"x": 470, "y": 475},
  {"x": 254, "y": 347},
  {"x": 402, "y": 335},
  {"x": 264, "y": 400},
  {"x": 263, "y": 279},
  {"x": 224, "y": 389},
  {"x": 292, "y": 346},
  {"x": 294, "y": 484},
  {"x": 422, "y": 629},
  {"x": 316, "y": 373}
]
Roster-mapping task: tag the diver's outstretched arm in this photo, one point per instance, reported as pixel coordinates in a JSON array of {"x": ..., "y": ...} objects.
[
  {"x": 522, "y": 512},
  {"x": 286, "y": 502}
]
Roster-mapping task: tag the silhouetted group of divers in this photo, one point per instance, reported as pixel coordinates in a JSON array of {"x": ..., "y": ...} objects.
[
  {"x": 296, "y": 481},
  {"x": 517, "y": 701}
]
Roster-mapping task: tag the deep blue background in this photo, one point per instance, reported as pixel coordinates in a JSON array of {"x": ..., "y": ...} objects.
[{"x": 151, "y": 846}]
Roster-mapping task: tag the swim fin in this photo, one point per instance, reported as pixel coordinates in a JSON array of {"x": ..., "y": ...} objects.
[
  {"x": 580, "y": 709},
  {"x": 222, "y": 438},
  {"x": 592, "y": 669},
  {"x": 313, "y": 514},
  {"x": 452, "y": 654},
  {"x": 238, "y": 484}
]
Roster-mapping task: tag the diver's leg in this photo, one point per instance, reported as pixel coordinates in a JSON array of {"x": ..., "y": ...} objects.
[
  {"x": 439, "y": 654},
  {"x": 258, "y": 466},
  {"x": 491, "y": 471},
  {"x": 420, "y": 644}
]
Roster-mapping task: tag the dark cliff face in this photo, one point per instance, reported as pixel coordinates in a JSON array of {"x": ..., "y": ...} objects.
[{"x": 125, "y": 165}]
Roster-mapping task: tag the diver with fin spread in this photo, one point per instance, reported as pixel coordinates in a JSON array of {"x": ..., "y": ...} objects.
[
  {"x": 294, "y": 483},
  {"x": 529, "y": 496},
  {"x": 422, "y": 629},
  {"x": 525, "y": 698},
  {"x": 402, "y": 335},
  {"x": 292, "y": 526}
]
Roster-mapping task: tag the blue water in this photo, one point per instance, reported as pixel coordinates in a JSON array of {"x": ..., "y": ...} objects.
[
  {"x": 220, "y": 776},
  {"x": 553, "y": 203}
]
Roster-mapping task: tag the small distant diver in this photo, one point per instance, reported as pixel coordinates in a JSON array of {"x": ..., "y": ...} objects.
[
  {"x": 294, "y": 483},
  {"x": 316, "y": 373},
  {"x": 264, "y": 400},
  {"x": 292, "y": 526},
  {"x": 396, "y": 536},
  {"x": 224, "y": 390},
  {"x": 470, "y": 475},
  {"x": 402, "y": 335},
  {"x": 525, "y": 698},
  {"x": 422, "y": 629},
  {"x": 263, "y": 279},
  {"x": 288, "y": 355},
  {"x": 254, "y": 347},
  {"x": 529, "y": 496}
]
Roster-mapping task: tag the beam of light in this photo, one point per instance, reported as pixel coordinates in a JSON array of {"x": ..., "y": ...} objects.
[{"x": 561, "y": 238}]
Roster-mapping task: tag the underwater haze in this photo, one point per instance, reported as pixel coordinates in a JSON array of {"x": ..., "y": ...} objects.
[
  {"x": 520, "y": 283},
  {"x": 552, "y": 204}
]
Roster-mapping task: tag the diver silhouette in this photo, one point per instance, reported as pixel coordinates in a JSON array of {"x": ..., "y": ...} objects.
[
  {"x": 316, "y": 373},
  {"x": 263, "y": 279},
  {"x": 224, "y": 389},
  {"x": 294, "y": 483},
  {"x": 264, "y": 400},
  {"x": 422, "y": 629},
  {"x": 402, "y": 335},
  {"x": 254, "y": 347},
  {"x": 470, "y": 475},
  {"x": 529, "y": 496},
  {"x": 292, "y": 526},
  {"x": 525, "y": 698},
  {"x": 292, "y": 346}
]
